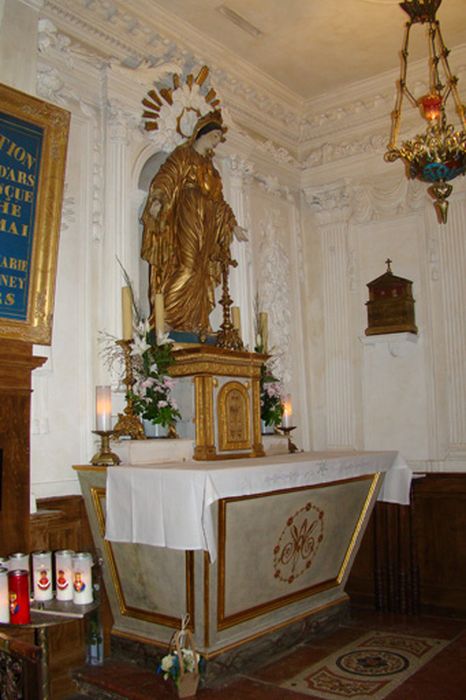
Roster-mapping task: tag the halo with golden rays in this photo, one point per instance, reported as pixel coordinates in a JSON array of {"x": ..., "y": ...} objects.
[{"x": 179, "y": 107}]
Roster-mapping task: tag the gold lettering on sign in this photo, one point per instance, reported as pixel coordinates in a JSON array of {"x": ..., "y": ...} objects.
[
  {"x": 16, "y": 264},
  {"x": 11, "y": 227},
  {"x": 18, "y": 153},
  {"x": 7, "y": 299}
]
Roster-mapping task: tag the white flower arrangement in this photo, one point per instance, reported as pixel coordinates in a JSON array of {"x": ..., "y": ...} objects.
[
  {"x": 170, "y": 664},
  {"x": 151, "y": 392}
]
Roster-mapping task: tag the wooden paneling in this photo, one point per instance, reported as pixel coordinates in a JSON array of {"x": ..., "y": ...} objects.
[
  {"x": 440, "y": 530},
  {"x": 413, "y": 559},
  {"x": 16, "y": 365}
]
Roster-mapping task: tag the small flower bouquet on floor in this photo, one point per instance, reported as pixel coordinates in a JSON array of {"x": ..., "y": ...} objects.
[{"x": 182, "y": 664}]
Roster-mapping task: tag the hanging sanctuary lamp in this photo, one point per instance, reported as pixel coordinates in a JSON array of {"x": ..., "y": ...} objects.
[{"x": 438, "y": 154}]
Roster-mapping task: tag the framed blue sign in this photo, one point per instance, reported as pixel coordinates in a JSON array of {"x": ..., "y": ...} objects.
[{"x": 33, "y": 142}]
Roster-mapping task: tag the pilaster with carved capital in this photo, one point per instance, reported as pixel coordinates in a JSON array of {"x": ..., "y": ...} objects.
[
  {"x": 115, "y": 242},
  {"x": 452, "y": 262},
  {"x": 331, "y": 207}
]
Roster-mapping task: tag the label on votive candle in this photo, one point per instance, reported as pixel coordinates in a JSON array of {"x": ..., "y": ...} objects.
[
  {"x": 82, "y": 578},
  {"x": 42, "y": 575},
  {"x": 64, "y": 574}
]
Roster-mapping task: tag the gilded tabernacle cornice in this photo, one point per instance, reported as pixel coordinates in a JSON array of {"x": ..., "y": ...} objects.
[{"x": 209, "y": 359}]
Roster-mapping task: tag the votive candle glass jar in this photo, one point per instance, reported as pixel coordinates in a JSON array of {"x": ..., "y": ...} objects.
[
  {"x": 64, "y": 574},
  {"x": 4, "y": 595},
  {"x": 18, "y": 587},
  {"x": 18, "y": 560},
  {"x": 82, "y": 578},
  {"x": 103, "y": 408},
  {"x": 42, "y": 576}
]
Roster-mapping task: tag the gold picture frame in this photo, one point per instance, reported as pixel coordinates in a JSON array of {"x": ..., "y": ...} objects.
[{"x": 33, "y": 145}]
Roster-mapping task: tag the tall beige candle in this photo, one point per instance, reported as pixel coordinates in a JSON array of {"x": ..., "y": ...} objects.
[
  {"x": 159, "y": 314},
  {"x": 236, "y": 318},
  {"x": 264, "y": 330},
  {"x": 127, "y": 313}
]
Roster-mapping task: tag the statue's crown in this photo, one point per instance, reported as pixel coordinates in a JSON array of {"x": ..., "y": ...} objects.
[{"x": 215, "y": 118}]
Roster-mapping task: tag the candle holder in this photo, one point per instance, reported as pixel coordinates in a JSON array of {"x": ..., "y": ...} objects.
[
  {"x": 228, "y": 336},
  {"x": 128, "y": 422},
  {"x": 287, "y": 433},
  {"x": 105, "y": 457}
]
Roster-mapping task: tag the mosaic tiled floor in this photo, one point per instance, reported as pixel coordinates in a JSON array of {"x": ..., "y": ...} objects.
[
  {"x": 371, "y": 667},
  {"x": 439, "y": 675}
]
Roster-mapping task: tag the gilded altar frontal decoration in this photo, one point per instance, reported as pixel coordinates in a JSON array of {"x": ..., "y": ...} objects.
[
  {"x": 390, "y": 308},
  {"x": 33, "y": 143}
]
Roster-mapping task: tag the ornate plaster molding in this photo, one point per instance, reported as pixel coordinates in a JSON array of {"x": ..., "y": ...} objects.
[
  {"x": 279, "y": 154},
  {"x": 68, "y": 215},
  {"x": 51, "y": 40},
  {"x": 117, "y": 28},
  {"x": 240, "y": 167},
  {"x": 386, "y": 197},
  {"x": 346, "y": 114},
  {"x": 52, "y": 86},
  {"x": 271, "y": 184},
  {"x": 330, "y": 204},
  {"x": 98, "y": 156},
  {"x": 331, "y": 152},
  {"x": 274, "y": 290}
]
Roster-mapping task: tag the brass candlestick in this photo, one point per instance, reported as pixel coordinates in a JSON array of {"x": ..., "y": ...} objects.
[
  {"x": 128, "y": 422},
  {"x": 105, "y": 457},
  {"x": 287, "y": 433},
  {"x": 228, "y": 336}
]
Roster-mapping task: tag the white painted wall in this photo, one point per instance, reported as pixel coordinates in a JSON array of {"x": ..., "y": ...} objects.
[{"x": 319, "y": 230}]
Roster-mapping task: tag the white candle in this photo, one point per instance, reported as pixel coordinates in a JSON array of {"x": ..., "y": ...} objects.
[
  {"x": 236, "y": 318},
  {"x": 64, "y": 574},
  {"x": 4, "y": 596},
  {"x": 82, "y": 578},
  {"x": 159, "y": 315},
  {"x": 103, "y": 408},
  {"x": 42, "y": 575},
  {"x": 127, "y": 313},
  {"x": 287, "y": 418}
]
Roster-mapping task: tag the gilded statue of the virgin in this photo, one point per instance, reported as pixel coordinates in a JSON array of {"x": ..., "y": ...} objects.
[{"x": 188, "y": 226}]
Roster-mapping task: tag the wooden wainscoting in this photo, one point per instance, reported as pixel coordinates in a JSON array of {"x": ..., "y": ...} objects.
[
  {"x": 413, "y": 558},
  {"x": 440, "y": 533}
]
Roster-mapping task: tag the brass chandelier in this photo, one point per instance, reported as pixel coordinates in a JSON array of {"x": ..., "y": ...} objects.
[{"x": 438, "y": 154}]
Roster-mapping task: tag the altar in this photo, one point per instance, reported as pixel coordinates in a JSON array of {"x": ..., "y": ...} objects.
[{"x": 253, "y": 549}]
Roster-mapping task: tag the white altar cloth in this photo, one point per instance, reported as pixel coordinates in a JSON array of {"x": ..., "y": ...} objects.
[{"x": 169, "y": 505}]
